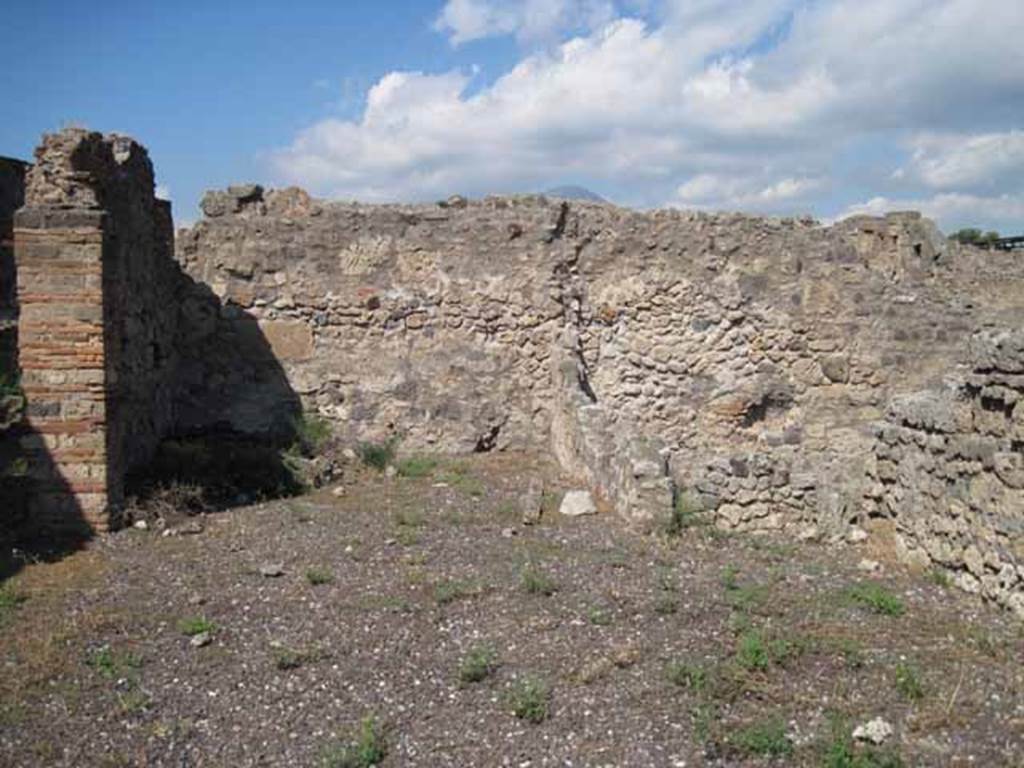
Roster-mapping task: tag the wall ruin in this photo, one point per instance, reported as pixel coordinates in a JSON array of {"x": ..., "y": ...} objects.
[
  {"x": 948, "y": 470},
  {"x": 93, "y": 249},
  {"x": 745, "y": 362}
]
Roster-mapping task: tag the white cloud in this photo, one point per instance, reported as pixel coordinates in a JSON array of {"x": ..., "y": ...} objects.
[
  {"x": 764, "y": 97},
  {"x": 710, "y": 191},
  {"x": 529, "y": 20},
  {"x": 162, "y": 192},
  {"x": 947, "y": 161},
  {"x": 953, "y": 209}
]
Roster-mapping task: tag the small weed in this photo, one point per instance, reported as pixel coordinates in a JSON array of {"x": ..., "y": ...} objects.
[
  {"x": 877, "y": 599},
  {"x": 730, "y": 577},
  {"x": 687, "y": 512},
  {"x": 908, "y": 682},
  {"x": 113, "y": 665},
  {"x": 368, "y": 749},
  {"x": 703, "y": 721},
  {"x": 417, "y": 466},
  {"x": 784, "y": 650},
  {"x": 766, "y": 738},
  {"x": 195, "y": 625},
  {"x": 409, "y": 518},
  {"x": 740, "y": 622},
  {"x": 407, "y": 537},
  {"x": 985, "y": 642},
  {"x": 102, "y": 660},
  {"x": 747, "y": 598},
  {"x": 529, "y": 699},
  {"x": 378, "y": 455},
  {"x": 478, "y": 664},
  {"x": 388, "y": 603},
  {"x": 940, "y": 577},
  {"x": 693, "y": 677},
  {"x": 752, "y": 652},
  {"x": 132, "y": 701},
  {"x": 458, "y": 477},
  {"x": 549, "y": 501},
  {"x": 536, "y": 582},
  {"x": 319, "y": 576},
  {"x": 311, "y": 434},
  {"x": 507, "y": 510},
  {"x": 852, "y": 653},
  {"x": 666, "y": 605},
  {"x": 10, "y": 599},
  {"x": 667, "y": 580},
  {"x": 449, "y": 591},
  {"x": 599, "y": 617},
  {"x": 616, "y": 558},
  {"x": 287, "y": 658}
]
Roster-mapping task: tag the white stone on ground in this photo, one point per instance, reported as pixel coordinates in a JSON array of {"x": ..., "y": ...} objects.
[
  {"x": 876, "y": 731},
  {"x": 577, "y": 503}
]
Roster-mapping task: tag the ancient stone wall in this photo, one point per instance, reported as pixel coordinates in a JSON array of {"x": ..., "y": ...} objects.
[
  {"x": 948, "y": 470},
  {"x": 744, "y": 363},
  {"x": 95, "y": 289},
  {"x": 746, "y": 358}
]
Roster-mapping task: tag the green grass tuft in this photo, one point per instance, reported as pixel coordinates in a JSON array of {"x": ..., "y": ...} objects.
[
  {"x": 877, "y": 599},
  {"x": 318, "y": 576},
  {"x": 368, "y": 749},
  {"x": 378, "y": 455},
  {"x": 535, "y": 582},
  {"x": 529, "y": 700},
  {"x": 693, "y": 677},
  {"x": 687, "y": 512},
  {"x": 451, "y": 590},
  {"x": 478, "y": 664},
  {"x": 195, "y": 625},
  {"x": 908, "y": 682},
  {"x": 752, "y": 653},
  {"x": 417, "y": 466},
  {"x": 766, "y": 738}
]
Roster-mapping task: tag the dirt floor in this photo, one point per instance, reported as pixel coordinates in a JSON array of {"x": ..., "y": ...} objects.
[{"x": 413, "y": 621}]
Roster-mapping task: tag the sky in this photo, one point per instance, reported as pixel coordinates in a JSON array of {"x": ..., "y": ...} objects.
[{"x": 781, "y": 107}]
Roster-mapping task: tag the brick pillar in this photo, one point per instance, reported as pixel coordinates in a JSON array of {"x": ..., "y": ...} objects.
[{"x": 62, "y": 255}]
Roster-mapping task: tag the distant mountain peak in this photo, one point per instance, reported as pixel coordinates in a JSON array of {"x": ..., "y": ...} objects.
[{"x": 575, "y": 192}]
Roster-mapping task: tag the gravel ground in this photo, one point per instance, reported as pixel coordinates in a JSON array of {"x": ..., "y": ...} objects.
[{"x": 699, "y": 650}]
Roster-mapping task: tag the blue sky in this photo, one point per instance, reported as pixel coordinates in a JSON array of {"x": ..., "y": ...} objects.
[{"x": 827, "y": 107}]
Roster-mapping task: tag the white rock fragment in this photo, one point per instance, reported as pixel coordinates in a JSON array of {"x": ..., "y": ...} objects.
[
  {"x": 201, "y": 640},
  {"x": 577, "y": 503},
  {"x": 876, "y": 731}
]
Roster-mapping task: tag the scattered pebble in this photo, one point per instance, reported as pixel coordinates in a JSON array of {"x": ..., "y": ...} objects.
[
  {"x": 141, "y": 525},
  {"x": 272, "y": 570},
  {"x": 868, "y": 566}
]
